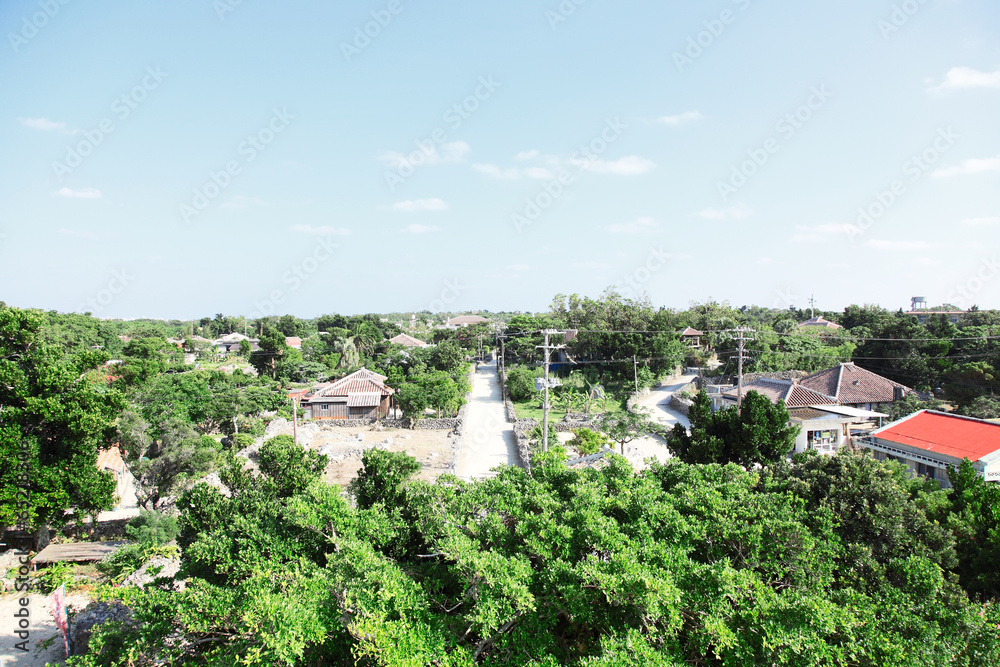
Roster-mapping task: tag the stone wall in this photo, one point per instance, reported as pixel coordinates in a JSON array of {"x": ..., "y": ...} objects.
[{"x": 680, "y": 404}]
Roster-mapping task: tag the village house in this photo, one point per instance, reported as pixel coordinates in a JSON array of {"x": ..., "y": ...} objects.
[
  {"x": 231, "y": 343},
  {"x": 848, "y": 384},
  {"x": 465, "y": 321},
  {"x": 360, "y": 395},
  {"x": 819, "y": 323},
  {"x": 407, "y": 341},
  {"x": 927, "y": 442}
]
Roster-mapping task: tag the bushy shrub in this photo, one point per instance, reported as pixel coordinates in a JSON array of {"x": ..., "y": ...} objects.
[
  {"x": 152, "y": 528},
  {"x": 520, "y": 383},
  {"x": 54, "y": 576}
]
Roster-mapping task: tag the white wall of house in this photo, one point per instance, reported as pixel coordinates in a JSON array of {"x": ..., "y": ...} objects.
[{"x": 827, "y": 435}]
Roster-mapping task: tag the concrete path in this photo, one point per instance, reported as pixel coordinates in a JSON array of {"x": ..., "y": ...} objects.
[
  {"x": 487, "y": 437},
  {"x": 658, "y": 403},
  {"x": 657, "y": 406}
]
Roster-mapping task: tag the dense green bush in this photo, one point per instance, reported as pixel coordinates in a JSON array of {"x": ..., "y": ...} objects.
[{"x": 827, "y": 562}]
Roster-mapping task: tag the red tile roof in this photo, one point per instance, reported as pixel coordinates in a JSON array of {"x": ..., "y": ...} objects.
[
  {"x": 820, "y": 322},
  {"x": 850, "y": 384},
  {"x": 407, "y": 341},
  {"x": 468, "y": 319},
  {"x": 360, "y": 381},
  {"x": 942, "y": 433},
  {"x": 792, "y": 394},
  {"x": 691, "y": 332}
]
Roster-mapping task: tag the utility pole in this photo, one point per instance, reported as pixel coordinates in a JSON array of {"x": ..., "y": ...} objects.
[
  {"x": 812, "y": 306},
  {"x": 741, "y": 342},
  {"x": 635, "y": 374},
  {"x": 545, "y": 401}
]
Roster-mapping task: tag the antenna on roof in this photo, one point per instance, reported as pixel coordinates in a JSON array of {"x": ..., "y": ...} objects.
[{"x": 812, "y": 306}]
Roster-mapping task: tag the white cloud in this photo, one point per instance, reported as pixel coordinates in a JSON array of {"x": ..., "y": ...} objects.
[
  {"x": 518, "y": 267},
  {"x": 765, "y": 261},
  {"x": 979, "y": 222},
  {"x": 640, "y": 226},
  {"x": 498, "y": 173},
  {"x": 322, "y": 230},
  {"x": 527, "y": 155},
  {"x": 630, "y": 165},
  {"x": 596, "y": 266},
  {"x": 686, "y": 117},
  {"x": 966, "y": 77},
  {"x": 46, "y": 125},
  {"x": 926, "y": 261},
  {"x": 447, "y": 153},
  {"x": 883, "y": 244},
  {"x": 421, "y": 229},
  {"x": 412, "y": 205},
  {"x": 242, "y": 202},
  {"x": 737, "y": 212},
  {"x": 970, "y": 166},
  {"x": 541, "y": 173},
  {"x": 82, "y": 193},
  {"x": 77, "y": 234},
  {"x": 806, "y": 234}
]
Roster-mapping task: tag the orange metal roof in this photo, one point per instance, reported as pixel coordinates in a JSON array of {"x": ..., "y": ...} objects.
[{"x": 942, "y": 433}]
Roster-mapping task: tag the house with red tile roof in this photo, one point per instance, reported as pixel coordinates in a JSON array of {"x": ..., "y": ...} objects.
[
  {"x": 787, "y": 391},
  {"x": 819, "y": 323},
  {"x": 407, "y": 341},
  {"x": 848, "y": 384},
  {"x": 361, "y": 395},
  {"x": 465, "y": 321},
  {"x": 927, "y": 442}
]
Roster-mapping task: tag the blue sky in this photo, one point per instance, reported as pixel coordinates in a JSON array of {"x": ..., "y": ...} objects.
[{"x": 187, "y": 158}]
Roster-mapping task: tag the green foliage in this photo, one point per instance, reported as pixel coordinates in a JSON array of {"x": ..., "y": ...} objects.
[
  {"x": 57, "y": 411},
  {"x": 53, "y": 576},
  {"x": 381, "y": 478},
  {"x": 678, "y": 565},
  {"x": 757, "y": 433},
  {"x": 291, "y": 468},
  {"x": 587, "y": 442},
  {"x": 624, "y": 427},
  {"x": 131, "y": 557},
  {"x": 520, "y": 383},
  {"x": 976, "y": 521},
  {"x": 152, "y": 528},
  {"x": 536, "y": 435}
]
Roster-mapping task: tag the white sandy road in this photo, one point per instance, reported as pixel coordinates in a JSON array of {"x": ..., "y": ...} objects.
[
  {"x": 44, "y": 641},
  {"x": 487, "y": 437}
]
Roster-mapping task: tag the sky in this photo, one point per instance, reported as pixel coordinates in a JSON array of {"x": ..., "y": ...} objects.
[{"x": 182, "y": 159}]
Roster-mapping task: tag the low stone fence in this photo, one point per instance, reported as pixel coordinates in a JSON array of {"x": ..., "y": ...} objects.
[{"x": 680, "y": 404}]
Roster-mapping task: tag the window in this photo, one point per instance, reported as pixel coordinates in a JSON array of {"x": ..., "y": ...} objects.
[{"x": 927, "y": 471}]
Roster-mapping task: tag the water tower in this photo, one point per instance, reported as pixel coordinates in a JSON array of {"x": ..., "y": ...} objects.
[{"x": 918, "y": 303}]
